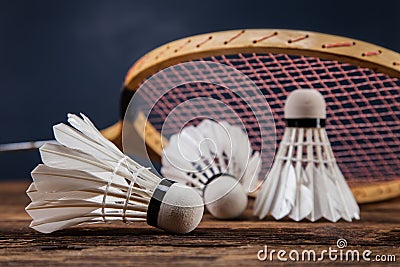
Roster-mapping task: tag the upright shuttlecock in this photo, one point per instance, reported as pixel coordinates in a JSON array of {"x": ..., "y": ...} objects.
[
  {"x": 305, "y": 181},
  {"x": 87, "y": 179},
  {"x": 217, "y": 160}
]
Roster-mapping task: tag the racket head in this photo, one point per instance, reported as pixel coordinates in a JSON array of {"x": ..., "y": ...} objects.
[{"x": 360, "y": 83}]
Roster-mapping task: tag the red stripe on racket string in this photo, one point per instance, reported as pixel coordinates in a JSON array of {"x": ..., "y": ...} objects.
[
  {"x": 344, "y": 44},
  {"x": 234, "y": 37}
]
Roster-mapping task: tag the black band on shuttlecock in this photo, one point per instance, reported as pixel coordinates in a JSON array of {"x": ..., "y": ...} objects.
[
  {"x": 215, "y": 177},
  {"x": 306, "y": 123},
  {"x": 156, "y": 200}
]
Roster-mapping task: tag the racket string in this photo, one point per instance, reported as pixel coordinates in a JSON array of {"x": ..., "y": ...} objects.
[{"x": 362, "y": 105}]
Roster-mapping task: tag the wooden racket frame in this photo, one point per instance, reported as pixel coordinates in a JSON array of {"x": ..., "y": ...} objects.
[{"x": 293, "y": 42}]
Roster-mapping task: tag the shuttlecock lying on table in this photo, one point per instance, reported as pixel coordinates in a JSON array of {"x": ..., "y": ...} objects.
[
  {"x": 216, "y": 159},
  {"x": 87, "y": 179},
  {"x": 305, "y": 181}
]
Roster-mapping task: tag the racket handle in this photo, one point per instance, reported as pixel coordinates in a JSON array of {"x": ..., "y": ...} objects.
[{"x": 23, "y": 146}]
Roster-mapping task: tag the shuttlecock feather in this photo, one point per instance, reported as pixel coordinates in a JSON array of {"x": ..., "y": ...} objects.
[
  {"x": 305, "y": 180},
  {"x": 87, "y": 179},
  {"x": 216, "y": 159}
]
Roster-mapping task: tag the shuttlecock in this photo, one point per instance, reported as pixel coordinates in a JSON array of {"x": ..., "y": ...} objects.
[
  {"x": 305, "y": 180},
  {"x": 217, "y": 160},
  {"x": 87, "y": 179}
]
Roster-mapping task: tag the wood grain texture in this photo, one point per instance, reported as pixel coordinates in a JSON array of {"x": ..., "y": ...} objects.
[
  {"x": 213, "y": 243},
  {"x": 294, "y": 42}
]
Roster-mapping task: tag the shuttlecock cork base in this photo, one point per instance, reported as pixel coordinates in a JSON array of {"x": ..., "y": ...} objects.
[
  {"x": 174, "y": 208},
  {"x": 217, "y": 160},
  {"x": 86, "y": 179},
  {"x": 225, "y": 197},
  {"x": 305, "y": 180}
]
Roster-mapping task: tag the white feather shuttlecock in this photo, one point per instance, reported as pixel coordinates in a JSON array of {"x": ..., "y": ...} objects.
[
  {"x": 305, "y": 180},
  {"x": 87, "y": 179},
  {"x": 217, "y": 160}
]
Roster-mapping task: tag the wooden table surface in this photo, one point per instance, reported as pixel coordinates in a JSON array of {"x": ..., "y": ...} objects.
[{"x": 213, "y": 243}]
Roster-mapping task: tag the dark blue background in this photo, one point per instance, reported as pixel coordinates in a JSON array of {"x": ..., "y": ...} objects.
[{"x": 71, "y": 56}]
